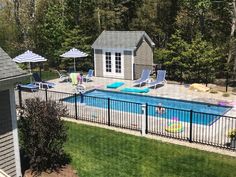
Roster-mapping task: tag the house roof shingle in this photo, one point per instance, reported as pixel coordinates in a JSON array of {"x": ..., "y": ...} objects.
[
  {"x": 120, "y": 39},
  {"x": 8, "y": 68}
]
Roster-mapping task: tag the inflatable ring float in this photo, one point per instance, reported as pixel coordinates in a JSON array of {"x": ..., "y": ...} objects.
[
  {"x": 175, "y": 127},
  {"x": 80, "y": 88}
]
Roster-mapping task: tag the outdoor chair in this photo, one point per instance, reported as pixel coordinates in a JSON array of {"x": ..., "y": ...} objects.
[
  {"x": 28, "y": 87},
  {"x": 144, "y": 77},
  {"x": 63, "y": 77},
  {"x": 160, "y": 80},
  {"x": 41, "y": 83},
  {"x": 88, "y": 76}
]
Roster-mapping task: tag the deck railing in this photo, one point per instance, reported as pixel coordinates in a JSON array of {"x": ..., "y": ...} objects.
[{"x": 187, "y": 125}]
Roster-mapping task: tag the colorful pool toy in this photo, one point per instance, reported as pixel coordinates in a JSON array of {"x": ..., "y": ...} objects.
[
  {"x": 227, "y": 103},
  {"x": 174, "y": 127}
]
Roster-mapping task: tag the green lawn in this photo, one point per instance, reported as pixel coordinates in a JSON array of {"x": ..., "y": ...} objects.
[
  {"x": 103, "y": 153},
  {"x": 46, "y": 75}
]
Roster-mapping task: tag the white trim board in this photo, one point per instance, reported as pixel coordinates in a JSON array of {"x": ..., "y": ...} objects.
[
  {"x": 15, "y": 132},
  {"x": 113, "y": 74}
]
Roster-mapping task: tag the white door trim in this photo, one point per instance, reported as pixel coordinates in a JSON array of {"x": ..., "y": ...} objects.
[{"x": 113, "y": 73}]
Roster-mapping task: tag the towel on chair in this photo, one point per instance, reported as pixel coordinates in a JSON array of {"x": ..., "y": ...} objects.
[{"x": 73, "y": 77}]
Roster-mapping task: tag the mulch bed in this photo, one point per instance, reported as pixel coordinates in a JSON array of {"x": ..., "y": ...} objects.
[{"x": 66, "y": 171}]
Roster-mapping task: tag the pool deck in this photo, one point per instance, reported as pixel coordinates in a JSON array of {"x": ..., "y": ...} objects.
[{"x": 175, "y": 91}]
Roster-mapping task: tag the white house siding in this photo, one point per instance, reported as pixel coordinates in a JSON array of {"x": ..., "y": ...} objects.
[
  {"x": 98, "y": 57},
  {"x": 128, "y": 65},
  {"x": 143, "y": 58},
  {"x": 7, "y": 151}
]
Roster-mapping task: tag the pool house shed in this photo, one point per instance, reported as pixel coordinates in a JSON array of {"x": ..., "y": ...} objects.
[
  {"x": 10, "y": 74},
  {"x": 122, "y": 54}
]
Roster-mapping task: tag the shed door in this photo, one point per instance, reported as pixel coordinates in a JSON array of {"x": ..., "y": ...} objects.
[{"x": 113, "y": 64}]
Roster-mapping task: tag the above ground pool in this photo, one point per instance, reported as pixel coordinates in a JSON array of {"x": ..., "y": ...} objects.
[{"x": 203, "y": 113}]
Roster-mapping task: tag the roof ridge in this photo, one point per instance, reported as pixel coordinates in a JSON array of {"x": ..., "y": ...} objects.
[{"x": 120, "y": 39}]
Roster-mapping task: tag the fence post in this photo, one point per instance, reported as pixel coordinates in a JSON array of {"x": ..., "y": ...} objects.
[
  {"x": 146, "y": 130},
  {"x": 76, "y": 113},
  {"x": 20, "y": 96},
  {"x": 143, "y": 129},
  {"x": 46, "y": 94},
  {"x": 109, "y": 111},
  {"x": 191, "y": 127}
]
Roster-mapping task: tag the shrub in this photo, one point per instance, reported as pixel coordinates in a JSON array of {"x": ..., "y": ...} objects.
[
  {"x": 232, "y": 133},
  {"x": 42, "y": 134}
]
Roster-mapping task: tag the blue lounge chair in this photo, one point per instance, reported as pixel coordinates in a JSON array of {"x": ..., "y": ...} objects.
[
  {"x": 160, "y": 80},
  {"x": 88, "y": 76},
  {"x": 144, "y": 77},
  {"x": 41, "y": 83},
  {"x": 28, "y": 87}
]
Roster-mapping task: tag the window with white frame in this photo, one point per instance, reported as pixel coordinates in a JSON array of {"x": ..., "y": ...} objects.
[
  {"x": 118, "y": 62},
  {"x": 108, "y": 61}
]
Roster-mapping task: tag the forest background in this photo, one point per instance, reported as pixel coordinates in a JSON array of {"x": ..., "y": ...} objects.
[{"x": 194, "y": 38}]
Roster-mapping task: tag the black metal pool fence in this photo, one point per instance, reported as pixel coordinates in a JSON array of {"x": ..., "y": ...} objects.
[{"x": 101, "y": 110}]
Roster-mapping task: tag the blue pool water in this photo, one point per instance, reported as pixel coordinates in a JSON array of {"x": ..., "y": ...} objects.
[{"x": 203, "y": 113}]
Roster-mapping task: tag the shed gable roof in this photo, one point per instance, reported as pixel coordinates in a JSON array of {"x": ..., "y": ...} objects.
[
  {"x": 8, "y": 68},
  {"x": 121, "y": 39}
]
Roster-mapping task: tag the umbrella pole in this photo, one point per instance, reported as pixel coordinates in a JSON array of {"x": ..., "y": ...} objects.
[
  {"x": 74, "y": 66},
  {"x": 30, "y": 73}
]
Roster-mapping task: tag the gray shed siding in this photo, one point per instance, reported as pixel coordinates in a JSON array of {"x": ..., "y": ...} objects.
[
  {"x": 7, "y": 155},
  {"x": 98, "y": 65},
  {"x": 143, "y": 58},
  {"x": 128, "y": 65}
]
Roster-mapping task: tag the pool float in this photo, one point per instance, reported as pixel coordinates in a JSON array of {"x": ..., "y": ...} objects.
[
  {"x": 175, "y": 127},
  {"x": 223, "y": 103},
  {"x": 115, "y": 85},
  {"x": 233, "y": 104},
  {"x": 227, "y": 103}
]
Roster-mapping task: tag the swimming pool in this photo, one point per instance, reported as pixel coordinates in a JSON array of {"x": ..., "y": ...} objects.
[{"x": 133, "y": 103}]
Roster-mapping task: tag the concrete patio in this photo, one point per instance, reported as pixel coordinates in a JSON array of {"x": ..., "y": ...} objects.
[{"x": 169, "y": 90}]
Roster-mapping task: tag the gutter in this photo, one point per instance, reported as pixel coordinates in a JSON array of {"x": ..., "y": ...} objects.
[{"x": 13, "y": 80}]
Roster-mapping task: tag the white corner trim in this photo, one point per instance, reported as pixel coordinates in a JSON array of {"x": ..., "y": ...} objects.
[
  {"x": 132, "y": 63},
  {"x": 3, "y": 174},
  {"x": 94, "y": 59},
  {"x": 15, "y": 132}
]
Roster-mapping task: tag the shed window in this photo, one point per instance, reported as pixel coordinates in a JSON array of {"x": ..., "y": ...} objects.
[
  {"x": 108, "y": 61},
  {"x": 118, "y": 62}
]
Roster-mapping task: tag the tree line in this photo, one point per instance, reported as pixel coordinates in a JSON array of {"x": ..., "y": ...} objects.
[{"x": 191, "y": 36}]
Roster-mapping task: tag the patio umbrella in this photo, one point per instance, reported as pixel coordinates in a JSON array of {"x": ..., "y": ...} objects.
[
  {"x": 29, "y": 57},
  {"x": 74, "y": 53}
]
